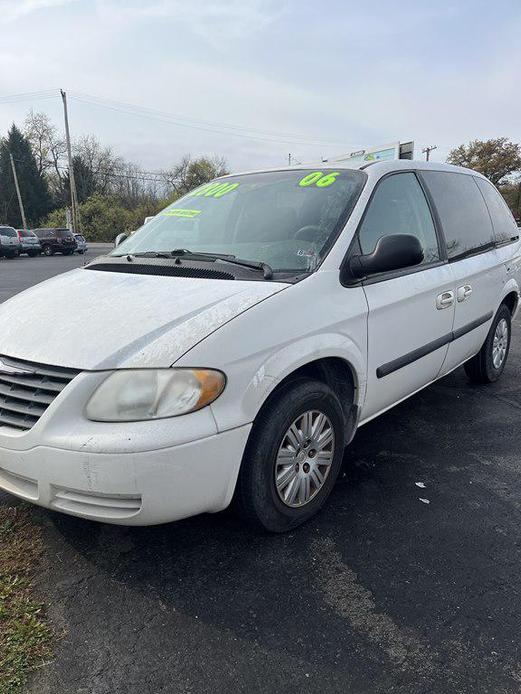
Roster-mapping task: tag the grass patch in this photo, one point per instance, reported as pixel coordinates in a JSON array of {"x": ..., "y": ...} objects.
[{"x": 25, "y": 636}]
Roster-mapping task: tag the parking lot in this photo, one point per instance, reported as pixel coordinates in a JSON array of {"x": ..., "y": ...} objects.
[{"x": 407, "y": 582}]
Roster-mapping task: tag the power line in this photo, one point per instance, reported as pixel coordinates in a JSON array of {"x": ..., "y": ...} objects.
[
  {"x": 180, "y": 121},
  {"x": 29, "y": 96},
  {"x": 152, "y": 112}
]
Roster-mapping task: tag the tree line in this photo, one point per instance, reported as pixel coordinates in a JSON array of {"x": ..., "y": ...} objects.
[{"x": 114, "y": 195}]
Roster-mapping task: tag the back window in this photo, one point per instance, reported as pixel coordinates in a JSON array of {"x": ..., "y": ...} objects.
[
  {"x": 464, "y": 216},
  {"x": 63, "y": 233},
  {"x": 505, "y": 227},
  {"x": 25, "y": 234}
]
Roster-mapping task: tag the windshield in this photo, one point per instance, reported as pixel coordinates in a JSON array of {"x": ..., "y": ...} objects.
[
  {"x": 7, "y": 231},
  {"x": 287, "y": 219}
]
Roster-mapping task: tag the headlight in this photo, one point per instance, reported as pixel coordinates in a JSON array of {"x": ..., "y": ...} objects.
[{"x": 135, "y": 395}]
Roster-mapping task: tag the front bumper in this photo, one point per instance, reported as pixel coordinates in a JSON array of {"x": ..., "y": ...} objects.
[{"x": 134, "y": 488}]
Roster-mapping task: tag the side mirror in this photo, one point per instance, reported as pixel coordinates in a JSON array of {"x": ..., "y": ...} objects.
[
  {"x": 392, "y": 252},
  {"x": 119, "y": 239}
]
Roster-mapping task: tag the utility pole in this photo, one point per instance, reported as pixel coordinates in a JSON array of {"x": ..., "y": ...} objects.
[
  {"x": 427, "y": 151},
  {"x": 74, "y": 198},
  {"x": 289, "y": 159},
  {"x": 20, "y": 203}
]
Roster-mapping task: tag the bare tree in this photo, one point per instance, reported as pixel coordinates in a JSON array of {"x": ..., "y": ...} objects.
[
  {"x": 190, "y": 173},
  {"x": 49, "y": 148}
]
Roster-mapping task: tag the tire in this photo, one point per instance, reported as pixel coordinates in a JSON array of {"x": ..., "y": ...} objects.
[
  {"x": 488, "y": 364},
  {"x": 256, "y": 497},
  {"x": 32, "y": 254},
  {"x": 48, "y": 251},
  {"x": 81, "y": 252}
]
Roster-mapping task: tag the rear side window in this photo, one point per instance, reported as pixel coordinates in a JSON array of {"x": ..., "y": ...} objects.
[
  {"x": 398, "y": 206},
  {"x": 7, "y": 231},
  {"x": 505, "y": 227},
  {"x": 463, "y": 213}
]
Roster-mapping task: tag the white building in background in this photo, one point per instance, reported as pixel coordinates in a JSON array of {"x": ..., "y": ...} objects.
[{"x": 394, "y": 150}]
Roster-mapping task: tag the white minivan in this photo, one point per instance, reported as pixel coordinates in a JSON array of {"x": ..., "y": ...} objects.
[{"x": 230, "y": 348}]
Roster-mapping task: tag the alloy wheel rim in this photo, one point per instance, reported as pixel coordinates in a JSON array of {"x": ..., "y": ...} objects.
[
  {"x": 304, "y": 458},
  {"x": 500, "y": 343}
]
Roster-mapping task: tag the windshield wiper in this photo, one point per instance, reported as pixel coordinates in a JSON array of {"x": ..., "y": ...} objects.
[
  {"x": 266, "y": 269},
  {"x": 148, "y": 254},
  {"x": 225, "y": 258}
]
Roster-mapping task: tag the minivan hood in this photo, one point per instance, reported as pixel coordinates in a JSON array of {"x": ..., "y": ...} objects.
[{"x": 88, "y": 319}]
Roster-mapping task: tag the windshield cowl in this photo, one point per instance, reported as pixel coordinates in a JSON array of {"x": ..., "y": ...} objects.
[{"x": 195, "y": 268}]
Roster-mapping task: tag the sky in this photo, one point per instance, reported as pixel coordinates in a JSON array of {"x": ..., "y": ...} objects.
[{"x": 316, "y": 79}]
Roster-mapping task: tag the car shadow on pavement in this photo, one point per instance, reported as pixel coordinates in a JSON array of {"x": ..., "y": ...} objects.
[{"x": 408, "y": 578}]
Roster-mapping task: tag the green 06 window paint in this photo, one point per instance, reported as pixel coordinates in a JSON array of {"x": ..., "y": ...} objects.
[{"x": 319, "y": 178}]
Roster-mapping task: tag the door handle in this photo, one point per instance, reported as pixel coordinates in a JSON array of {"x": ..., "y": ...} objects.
[
  {"x": 464, "y": 292},
  {"x": 444, "y": 300}
]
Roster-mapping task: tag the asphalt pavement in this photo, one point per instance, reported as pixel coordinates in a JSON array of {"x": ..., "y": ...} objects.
[{"x": 407, "y": 582}]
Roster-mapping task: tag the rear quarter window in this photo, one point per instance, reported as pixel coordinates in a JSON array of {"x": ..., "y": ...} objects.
[
  {"x": 7, "y": 231},
  {"x": 505, "y": 227},
  {"x": 464, "y": 216}
]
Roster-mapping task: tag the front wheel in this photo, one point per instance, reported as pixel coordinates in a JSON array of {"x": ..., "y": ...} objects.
[
  {"x": 47, "y": 250},
  {"x": 293, "y": 457},
  {"x": 488, "y": 364}
]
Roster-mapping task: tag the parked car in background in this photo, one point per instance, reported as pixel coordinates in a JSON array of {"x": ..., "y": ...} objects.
[
  {"x": 10, "y": 245},
  {"x": 56, "y": 241},
  {"x": 29, "y": 242},
  {"x": 81, "y": 244}
]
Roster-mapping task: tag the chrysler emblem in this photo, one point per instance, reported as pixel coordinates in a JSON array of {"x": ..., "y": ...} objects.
[{"x": 13, "y": 370}]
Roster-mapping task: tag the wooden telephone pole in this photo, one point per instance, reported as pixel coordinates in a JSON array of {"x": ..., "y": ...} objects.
[
  {"x": 427, "y": 151},
  {"x": 20, "y": 203},
  {"x": 74, "y": 198}
]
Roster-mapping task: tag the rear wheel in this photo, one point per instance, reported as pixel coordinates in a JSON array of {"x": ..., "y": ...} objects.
[
  {"x": 47, "y": 250},
  {"x": 32, "y": 254},
  {"x": 488, "y": 364},
  {"x": 292, "y": 458}
]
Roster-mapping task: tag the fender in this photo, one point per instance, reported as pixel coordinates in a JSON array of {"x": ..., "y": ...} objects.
[
  {"x": 307, "y": 321},
  {"x": 234, "y": 409}
]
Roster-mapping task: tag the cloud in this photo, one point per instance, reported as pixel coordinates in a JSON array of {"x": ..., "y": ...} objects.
[
  {"x": 212, "y": 20},
  {"x": 11, "y": 10}
]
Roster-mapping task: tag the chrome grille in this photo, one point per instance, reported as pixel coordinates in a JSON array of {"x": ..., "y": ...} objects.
[{"x": 28, "y": 391}]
